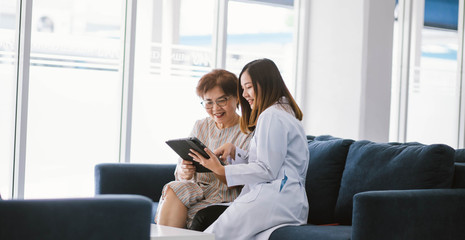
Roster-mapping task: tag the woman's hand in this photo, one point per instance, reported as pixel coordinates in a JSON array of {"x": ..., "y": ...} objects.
[
  {"x": 226, "y": 150},
  {"x": 187, "y": 170},
  {"x": 212, "y": 163}
]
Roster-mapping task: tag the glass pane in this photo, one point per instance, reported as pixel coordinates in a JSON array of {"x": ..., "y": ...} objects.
[
  {"x": 74, "y": 95},
  {"x": 259, "y": 30},
  {"x": 173, "y": 50},
  {"x": 433, "y": 102},
  {"x": 8, "y": 50}
]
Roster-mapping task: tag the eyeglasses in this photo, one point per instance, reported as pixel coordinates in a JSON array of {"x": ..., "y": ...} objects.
[{"x": 221, "y": 102}]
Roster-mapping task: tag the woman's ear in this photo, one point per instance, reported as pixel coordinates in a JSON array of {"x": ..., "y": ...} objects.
[{"x": 237, "y": 102}]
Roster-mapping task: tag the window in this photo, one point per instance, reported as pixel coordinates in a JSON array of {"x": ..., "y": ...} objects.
[
  {"x": 431, "y": 96},
  {"x": 175, "y": 46},
  {"x": 78, "y": 100},
  {"x": 433, "y": 99},
  {"x": 260, "y": 30},
  {"x": 74, "y": 95},
  {"x": 8, "y": 56},
  {"x": 173, "y": 50}
]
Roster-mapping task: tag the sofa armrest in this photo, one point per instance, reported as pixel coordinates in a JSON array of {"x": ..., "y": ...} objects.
[
  {"x": 409, "y": 214},
  {"x": 101, "y": 217},
  {"x": 459, "y": 176},
  {"x": 141, "y": 179}
]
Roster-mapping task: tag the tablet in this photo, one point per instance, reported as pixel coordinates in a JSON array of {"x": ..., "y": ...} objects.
[{"x": 182, "y": 147}]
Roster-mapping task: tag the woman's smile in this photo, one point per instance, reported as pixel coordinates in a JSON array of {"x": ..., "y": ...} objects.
[{"x": 219, "y": 115}]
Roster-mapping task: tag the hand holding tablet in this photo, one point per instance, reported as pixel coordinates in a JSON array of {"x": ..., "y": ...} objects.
[{"x": 182, "y": 147}]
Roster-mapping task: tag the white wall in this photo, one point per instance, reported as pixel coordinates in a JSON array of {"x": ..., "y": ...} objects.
[{"x": 349, "y": 68}]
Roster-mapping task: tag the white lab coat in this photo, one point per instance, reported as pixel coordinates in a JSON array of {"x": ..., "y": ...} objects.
[{"x": 278, "y": 151}]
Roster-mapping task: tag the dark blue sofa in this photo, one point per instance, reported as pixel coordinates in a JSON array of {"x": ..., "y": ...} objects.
[
  {"x": 100, "y": 218},
  {"x": 356, "y": 190}
]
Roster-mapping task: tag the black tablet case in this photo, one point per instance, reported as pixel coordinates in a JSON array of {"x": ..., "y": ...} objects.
[{"x": 182, "y": 145}]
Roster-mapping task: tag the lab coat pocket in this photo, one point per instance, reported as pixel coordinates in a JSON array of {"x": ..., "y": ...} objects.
[{"x": 250, "y": 196}]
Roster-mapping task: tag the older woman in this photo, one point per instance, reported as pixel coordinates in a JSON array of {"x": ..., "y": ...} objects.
[{"x": 192, "y": 191}]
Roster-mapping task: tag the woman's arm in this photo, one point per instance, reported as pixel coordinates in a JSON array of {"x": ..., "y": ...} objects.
[{"x": 266, "y": 155}]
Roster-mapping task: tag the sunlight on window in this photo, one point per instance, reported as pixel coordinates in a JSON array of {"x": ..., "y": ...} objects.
[
  {"x": 261, "y": 31},
  {"x": 74, "y": 95},
  {"x": 172, "y": 52},
  {"x": 8, "y": 50}
]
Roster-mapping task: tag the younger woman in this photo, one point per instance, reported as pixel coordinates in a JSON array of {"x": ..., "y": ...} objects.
[{"x": 274, "y": 177}]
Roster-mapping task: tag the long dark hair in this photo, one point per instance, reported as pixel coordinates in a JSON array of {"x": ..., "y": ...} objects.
[{"x": 264, "y": 73}]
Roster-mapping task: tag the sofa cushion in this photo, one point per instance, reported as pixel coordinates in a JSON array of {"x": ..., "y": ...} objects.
[
  {"x": 312, "y": 232},
  {"x": 392, "y": 166},
  {"x": 325, "y": 138},
  {"x": 326, "y": 163}
]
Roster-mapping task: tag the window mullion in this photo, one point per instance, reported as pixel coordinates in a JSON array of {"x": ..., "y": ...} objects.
[
  {"x": 22, "y": 91},
  {"x": 406, "y": 27},
  {"x": 461, "y": 77},
  {"x": 220, "y": 33},
  {"x": 128, "y": 80},
  {"x": 301, "y": 38}
]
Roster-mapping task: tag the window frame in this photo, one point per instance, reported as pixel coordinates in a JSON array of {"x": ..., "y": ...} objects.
[{"x": 23, "y": 27}]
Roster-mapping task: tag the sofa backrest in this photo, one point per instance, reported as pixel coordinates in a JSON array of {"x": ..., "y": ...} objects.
[
  {"x": 326, "y": 164},
  {"x": 459, "y": 155},
  {"x": 382, "y": 166},
  {"x": 117, "y": 178},
  {"x": 340, "y": 168}
]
